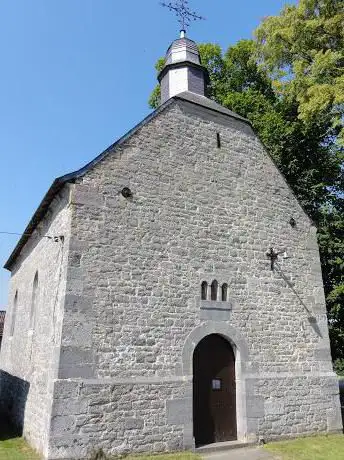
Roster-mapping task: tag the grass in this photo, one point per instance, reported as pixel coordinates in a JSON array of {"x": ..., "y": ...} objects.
[
  {"x": 176, "y": 456},
  {"x": 13, "y": 447},
  {"x": 172, "y": 456},
  {"x": 329, "y": 447},
  {"x": 16, "y": 449}
]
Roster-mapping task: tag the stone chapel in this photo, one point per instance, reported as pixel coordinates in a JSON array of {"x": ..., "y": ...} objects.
[{"x": 168, "y": 295}]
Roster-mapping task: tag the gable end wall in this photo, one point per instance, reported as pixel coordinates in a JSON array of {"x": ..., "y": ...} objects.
[{"x": 133, "y": 312}]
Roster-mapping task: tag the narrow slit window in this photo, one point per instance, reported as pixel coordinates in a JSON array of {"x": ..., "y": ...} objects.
[
  {"x": 224, "y": 292},
  {"x": 204, "y": 290},
  {"x": 214, "y": 286},
  {"x": 218, "y": 138},
  {"x": 14, "y": 312},
  {"x": 34, "y": 300}
]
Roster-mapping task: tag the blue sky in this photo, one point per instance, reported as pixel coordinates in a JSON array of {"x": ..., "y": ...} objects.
[{"x": 75, "y": 76}]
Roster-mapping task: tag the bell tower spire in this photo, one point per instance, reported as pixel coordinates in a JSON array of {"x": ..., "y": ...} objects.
[{"x": 183, "y": 70}]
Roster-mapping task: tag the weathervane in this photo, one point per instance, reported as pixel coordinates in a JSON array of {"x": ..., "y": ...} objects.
[{"x": 183, "y": 12}]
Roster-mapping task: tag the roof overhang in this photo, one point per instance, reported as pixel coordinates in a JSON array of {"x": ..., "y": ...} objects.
[
  {"x": 59, "y": 183},
  {"x": 182, "y": 64}
]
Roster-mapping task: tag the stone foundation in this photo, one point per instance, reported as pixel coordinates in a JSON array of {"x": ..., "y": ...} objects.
[
  {"x": 287, "y": 406},
  {"x": 122, "y": 417}
]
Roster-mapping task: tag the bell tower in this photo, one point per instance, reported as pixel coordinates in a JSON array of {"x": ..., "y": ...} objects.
[{"x": 183, "y": 70}]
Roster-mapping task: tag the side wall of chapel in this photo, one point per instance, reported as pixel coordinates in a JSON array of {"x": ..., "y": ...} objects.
[{"x": 32, "y": 334}]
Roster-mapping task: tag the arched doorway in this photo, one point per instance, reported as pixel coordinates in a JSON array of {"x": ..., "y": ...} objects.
[{"x": 214, "y": 398}]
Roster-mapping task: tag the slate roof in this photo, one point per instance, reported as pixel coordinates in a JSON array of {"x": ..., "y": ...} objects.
[
  {"x": 209, "y": 104},
  {"x": 2, "y": 322},
  {"x": 183, "y": 43},
  {"x": 71, "y": 177}
]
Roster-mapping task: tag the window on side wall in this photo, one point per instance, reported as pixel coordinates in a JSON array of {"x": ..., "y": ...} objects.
[
  {"x": 14, "y": 313},
  {"x": 34, "y": 300}
]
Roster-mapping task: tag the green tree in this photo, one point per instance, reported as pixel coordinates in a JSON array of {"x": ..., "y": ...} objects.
[
  {"x": 291, "y": 91},
  {"x": 331, "y": 243},
  {"x": 303, "y": 48},
  {"x": 306, "y": 152},
  {"x": 154, "y": 99}
]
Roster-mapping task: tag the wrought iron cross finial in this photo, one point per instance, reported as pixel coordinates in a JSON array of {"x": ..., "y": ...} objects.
[
  {"x": 183, "y": 12},
  {"x": 273, "y": 256}
]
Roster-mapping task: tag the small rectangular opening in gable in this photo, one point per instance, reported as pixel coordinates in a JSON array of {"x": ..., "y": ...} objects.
[{"x": 218, "y": 137}]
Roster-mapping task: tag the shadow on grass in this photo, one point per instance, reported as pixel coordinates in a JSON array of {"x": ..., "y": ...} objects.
[
  {"x": 13, "y": 397},
  {"x": 8, "y": 430}
]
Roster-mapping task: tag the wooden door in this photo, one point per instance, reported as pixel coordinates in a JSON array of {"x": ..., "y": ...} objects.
[{"x": 214, "y": 399}]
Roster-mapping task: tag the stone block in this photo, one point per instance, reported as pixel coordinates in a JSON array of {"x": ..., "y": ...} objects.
[
  {"x": 78, "y": 303},
  {"x": 76, "y": 362},
  {"x": 69, "y": 406},
  {"x": 77, "y": 331},
  {"x": 334, "y": 417},
  {"x": 65, "y": 389},
  {"x": 274, "y": 408},
  {"x": 188, "y": 437},
  {"x": 255, "y": 406},
  {"x": 214, "y": 314},
  {"x": 88, "y": 198},
  {"x": 323, "y": 354},
  {"x": 75, "y": 273},
  {"x": 215, "y": 310},
  {"x": 77, "y": 245},
  {"x": 179, "y": 411},
  {"x": 133, "y": 423},
  {"x": 69, "y": 446},
  {"x": 61, "y": 424},
  {"x": 84, "y": 371}
]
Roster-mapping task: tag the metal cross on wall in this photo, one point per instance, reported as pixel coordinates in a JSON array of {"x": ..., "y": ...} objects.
[
  {"x": 183, "y": 12},
  {"x": 273, "y": 256}
]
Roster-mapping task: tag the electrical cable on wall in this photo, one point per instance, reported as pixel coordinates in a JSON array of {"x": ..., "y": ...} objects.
[{"x": 55, "y": 238}]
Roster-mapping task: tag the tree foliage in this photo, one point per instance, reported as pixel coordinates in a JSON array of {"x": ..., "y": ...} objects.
[
  {"x": 302, "y": 51},
  {"x": 305, "y": 45},
  {"x": 289, "y": 84},
  {"x": 154, "y": 99}
]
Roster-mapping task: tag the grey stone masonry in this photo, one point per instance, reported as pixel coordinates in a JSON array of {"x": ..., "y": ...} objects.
[
  {"x": 119, "y": 417},
  {"x": 30, "y": 350},
  {"x": 118, "y": 368}
]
